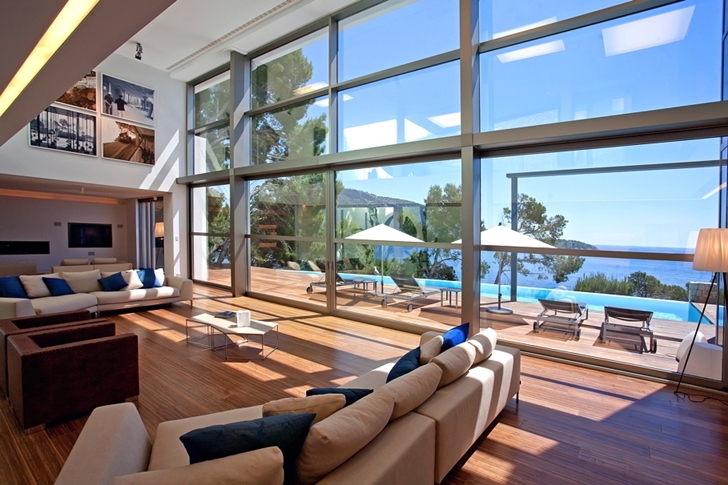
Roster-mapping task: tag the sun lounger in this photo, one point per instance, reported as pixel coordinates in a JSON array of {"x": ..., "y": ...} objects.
[
  {"x": 408, "y": 289},
  {"x": 563, "y": 315},
  {"x": 629, "y": 320},
  {"x": 341, "y": 281}
]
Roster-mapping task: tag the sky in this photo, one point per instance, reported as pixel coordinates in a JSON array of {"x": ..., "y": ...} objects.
[{"x": 665, "y": 57}]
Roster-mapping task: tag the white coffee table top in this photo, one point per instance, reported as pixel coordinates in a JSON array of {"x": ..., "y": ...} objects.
[{"x": 228, "y": 326}]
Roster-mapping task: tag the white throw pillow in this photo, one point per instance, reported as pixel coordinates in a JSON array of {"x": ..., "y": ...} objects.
[
  {"x": 34, "y": 285},
  {"x": 130, "y": 276},
  {"x": 484, "y": 343},
  {"x": 159, "y": 273}
]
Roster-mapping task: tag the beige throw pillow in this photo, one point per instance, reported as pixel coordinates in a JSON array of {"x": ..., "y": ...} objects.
[
  {"x": 103, "y": 261},
  {"x": 484, "y": 343},
  {"x": 83, "y": 281},
  {"x": 34, "y": 285},
  {"x": 339, "y": 437},
  {"x": 412, "y": 389},
  {"x": 430, "y": 349},
  {"x": 74, "y": 262},
  {"x": 251, "y": 468},
  {"x": 455, "y": 362},
  {"x": 322, "y": 406}
]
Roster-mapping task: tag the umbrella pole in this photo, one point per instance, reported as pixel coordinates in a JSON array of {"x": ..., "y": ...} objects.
[
  {"x": 381, "y": 258},
  {"x": 498, "y": 309}
]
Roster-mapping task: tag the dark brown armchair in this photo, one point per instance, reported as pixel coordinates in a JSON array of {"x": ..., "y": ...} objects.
[
  {"x": 59, "y": 374},
  {"x": 15, "y": 326}
]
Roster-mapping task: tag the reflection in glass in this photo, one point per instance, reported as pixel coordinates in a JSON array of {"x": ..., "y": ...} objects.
[
  {"x": 289, "y": 206},
  {"x": 416, "y": 106},
  {"x": 211, "y": 259},
  {"x": 499, "y": 18},
  {"x": 298, "y": 131},
  {"x": 395, "y": 33},
  {"x": 661, "y": 58},
  {"x": 292, "y": 70},
  {"x": 211, "y": 209},
  {"x": 212, "y": 150},
  {"x": 212, "y": 100}
]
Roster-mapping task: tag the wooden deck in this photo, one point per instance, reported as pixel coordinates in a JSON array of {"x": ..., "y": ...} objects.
[
  {"x": 572, "y": 425},
  {"x": 516, "y": 328}
]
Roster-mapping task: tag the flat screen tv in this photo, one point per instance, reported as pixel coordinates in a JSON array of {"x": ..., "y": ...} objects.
[{"x": 84, "y": 235}]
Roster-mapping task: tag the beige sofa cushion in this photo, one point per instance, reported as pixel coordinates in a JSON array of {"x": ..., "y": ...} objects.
[
  {"x": 340, "y": 436},
  {"x": 484, "y": 343},
  {"x": 84, "y": 281},
  {"x": 430, "y": 349},
  {"x": 374, "y": 379},
  {"x": 103, "y": 261},
  {"x": 169, "y": 452},
  {"x": 64, "y": 303},
  {"x": 74, "y": 262},
  {"x": 34, "y": 285},
  {"x": 124, "y": 296},
  {"x": 322, "y": 406},
  {"x": 455, "y": 362},
  {"x": 412, "y": 389},
  {"x": 259, "y": 467}
]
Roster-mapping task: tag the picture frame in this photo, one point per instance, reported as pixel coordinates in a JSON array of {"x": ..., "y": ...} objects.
[
  {"x": 127, "y": 142},
  {"x": 66, "y": 130},
  {"x": 126, "y": 100},
  {"x": 81, "y": 95}
]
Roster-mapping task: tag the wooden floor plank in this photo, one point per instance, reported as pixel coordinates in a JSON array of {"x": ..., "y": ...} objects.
[{"x": 572, "y": 425}]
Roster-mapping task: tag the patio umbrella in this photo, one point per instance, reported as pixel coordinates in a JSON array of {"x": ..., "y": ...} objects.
[
  {"x": 500, "y": 235},
  {"x": 383, "y": 232}
]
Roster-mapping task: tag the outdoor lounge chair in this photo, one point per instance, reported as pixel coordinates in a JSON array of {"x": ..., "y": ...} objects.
[
  {"x": 408, "y": 289},
  {"x": 341, "y": 281},
  {"x": 564, "y": 315},
  {"x": 629, "y": 318}
]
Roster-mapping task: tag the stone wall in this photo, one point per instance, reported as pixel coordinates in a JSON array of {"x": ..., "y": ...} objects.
[{"x": 698, "y": 292}]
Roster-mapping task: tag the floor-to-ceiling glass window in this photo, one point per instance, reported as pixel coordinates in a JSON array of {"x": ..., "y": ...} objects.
[
  {"x": 210, "y": 206},
  {"x": 211, "y": 133}
]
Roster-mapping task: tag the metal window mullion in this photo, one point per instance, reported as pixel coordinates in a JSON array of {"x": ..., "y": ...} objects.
[
  {"x": 574, "y": 23},
  {"x": 265, "y": 237},
  {"x": 210, "y": 126}
]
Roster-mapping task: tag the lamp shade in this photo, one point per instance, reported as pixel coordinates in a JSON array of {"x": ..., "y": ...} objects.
[
  {"x": 159, "y": 229},
  {"x": 711, "y": 251}
]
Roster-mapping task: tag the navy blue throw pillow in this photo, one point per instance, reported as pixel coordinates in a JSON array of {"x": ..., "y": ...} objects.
[
  {"x": 114, "y": 282},
  {"x": 11, "y": 287},
  {"x": 409, "y": 362},
  {"x": 148, "y": 278},
  {"x": 455, "y": 336},
  {"x": 58, "y": 287},
  {"x": 286, "y": 431},
  {"x": 352, "y": 395}
]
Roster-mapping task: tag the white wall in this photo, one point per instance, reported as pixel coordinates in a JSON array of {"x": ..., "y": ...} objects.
[
  {"x": 30, "y": 219},
  {"x": 18, "y": 158}
]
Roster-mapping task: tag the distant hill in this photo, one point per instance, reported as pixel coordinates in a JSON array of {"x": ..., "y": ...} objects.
[
  {"x": 359, "y": 198},
  {"x": 571, "y": 244}
]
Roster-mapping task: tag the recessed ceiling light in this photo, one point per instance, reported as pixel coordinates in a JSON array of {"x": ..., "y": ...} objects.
[
  {"x": 63, "y": 25},
  {"x": 446, "y": 121},
  {"x": 654, "y": 31},
  {"x": 533, "y": 51},
  {"x": 524, "y": 28}
]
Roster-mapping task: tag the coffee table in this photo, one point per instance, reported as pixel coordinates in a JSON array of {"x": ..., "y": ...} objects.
[{"x": 229, "y": 327}]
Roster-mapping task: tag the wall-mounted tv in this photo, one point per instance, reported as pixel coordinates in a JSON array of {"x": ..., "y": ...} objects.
[{"x": 84, "y": 235}]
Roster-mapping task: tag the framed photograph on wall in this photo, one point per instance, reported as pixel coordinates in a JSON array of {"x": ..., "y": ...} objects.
[
  {"x": 127, "y": 142},
  {"x": 82, "y": 94},
  {"x": 65, "y": 130},
  {"x": 127, "y": 100}
]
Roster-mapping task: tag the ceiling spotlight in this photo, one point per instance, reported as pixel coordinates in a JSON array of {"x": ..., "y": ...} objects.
[{"x": 139, "y": 51}]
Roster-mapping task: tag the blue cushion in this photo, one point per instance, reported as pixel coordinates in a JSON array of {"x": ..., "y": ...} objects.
[
  {"x": 352, "y": 395},
  {"x": 115, "y": 282},
  {"x": 11, "y": 287},
  {"x": 149, "y": 279},
  {"x": 455, "y": 336},
  {"x": 286, "y": 431},
  {"x": 58, "y": 286},
  {"x": 409, "y": 362}
]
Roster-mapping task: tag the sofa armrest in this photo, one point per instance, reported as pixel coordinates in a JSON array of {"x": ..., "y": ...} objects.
[
  {"x": 182, "y": 284},
  {"x": 16, "y": 307},
  {"x": 706, "y": 360},
  {"x": 113, "y": 442}
]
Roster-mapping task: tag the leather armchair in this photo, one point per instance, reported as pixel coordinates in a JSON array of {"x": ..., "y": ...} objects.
[{"x": 58, "y": 374}]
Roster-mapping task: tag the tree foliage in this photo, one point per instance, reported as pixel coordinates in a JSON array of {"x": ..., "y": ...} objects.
[
  {"x": 638, "y": 283},
  {"x": 534, "y": 222}
]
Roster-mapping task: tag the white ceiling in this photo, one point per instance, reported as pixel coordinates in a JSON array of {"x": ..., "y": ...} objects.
[{"x": 186, "y": 38}]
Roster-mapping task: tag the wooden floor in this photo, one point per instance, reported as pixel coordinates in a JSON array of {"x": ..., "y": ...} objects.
[{"x": 572, "y": 425}]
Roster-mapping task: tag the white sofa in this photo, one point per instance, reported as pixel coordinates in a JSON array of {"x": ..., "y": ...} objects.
[
  {"x": 89, "y": 295},
  {"x": 418, "y": 445},
  {"x": 706, "y": 359}
]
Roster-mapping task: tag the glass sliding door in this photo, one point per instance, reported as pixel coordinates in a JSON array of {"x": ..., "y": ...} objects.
[{"x": 211, "y": 234}]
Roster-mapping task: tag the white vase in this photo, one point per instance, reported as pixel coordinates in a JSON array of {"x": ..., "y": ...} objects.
[{"x": 243, "y": 318}]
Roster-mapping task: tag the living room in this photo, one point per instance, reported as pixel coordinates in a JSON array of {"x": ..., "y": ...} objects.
[{"x": 281, "y": 228}]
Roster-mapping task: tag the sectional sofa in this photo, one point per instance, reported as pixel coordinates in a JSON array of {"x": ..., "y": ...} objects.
[
  {"x": 411, "y": 430},
  {"x": 88, "y": 293}
]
